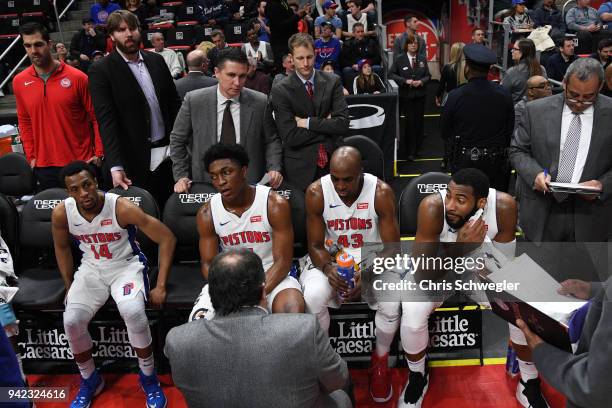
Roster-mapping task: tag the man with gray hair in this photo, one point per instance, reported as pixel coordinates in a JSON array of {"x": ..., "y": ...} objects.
[
  {"x": 277, "y": 360},
  {"x": 172, "y": 61},
  {"x": 566, "y": 138},
  {"x": 197, "y": 65}
]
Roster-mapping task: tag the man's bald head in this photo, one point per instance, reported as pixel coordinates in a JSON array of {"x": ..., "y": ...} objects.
[
  {"x": 195, "y": 60},
  {"x": 346, "y": 157},
  {"x": 346, "y": 171},
  {"x": 538, "y": 87}
]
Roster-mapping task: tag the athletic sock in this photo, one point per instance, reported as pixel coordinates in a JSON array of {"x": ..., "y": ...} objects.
[
  {"x": 87, "y": 368},
  {"x": 383, "y": 342},
  {"x": 147, "y": 365},
  {"x": 528, "y": 370},
  {"x": 417, "y": 366}
]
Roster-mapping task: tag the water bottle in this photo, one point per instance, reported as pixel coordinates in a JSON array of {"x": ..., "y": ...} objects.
[
  {"x": 346, "y": 269},
  {"x": 512, "y": 366}
]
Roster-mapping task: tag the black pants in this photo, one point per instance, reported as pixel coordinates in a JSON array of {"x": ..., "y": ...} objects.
[
  {"x": 160, "y": 183},
  {"x": 47, "y": 177},
  {"x": 411, "y": 138},
  {"x": 496, "y": 168}
]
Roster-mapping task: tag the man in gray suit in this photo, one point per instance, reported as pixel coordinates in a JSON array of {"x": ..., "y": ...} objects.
[
  {"x": 566, "y": 138},
  {"x": 227, "y": 113},
  {"x": 245, "y": 357},
  {"x": 583, "y": 377},
  {"x": 197, "y": 64},
  {"x": 311, "y": 115}
]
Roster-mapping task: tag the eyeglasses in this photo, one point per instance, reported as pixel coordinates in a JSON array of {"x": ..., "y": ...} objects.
[
  {"x": 587, "y": 102},
  {"x": 541, "y": 86},
  {"x": 515, "y": 49}
]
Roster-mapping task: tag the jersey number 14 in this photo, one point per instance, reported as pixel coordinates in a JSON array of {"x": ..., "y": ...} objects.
[{"x": 102, "y": 252}]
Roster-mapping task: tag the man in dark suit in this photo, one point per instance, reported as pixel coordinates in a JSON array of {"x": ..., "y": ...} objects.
[
  {"x": 228, "y": 114},
  {"x": 311, "y": 115},
  {"x": 566, "y": 138},
  {"x": 197, "y": 63},
  {"x": 135, "y": 101},
  {"x": 283, "y": 23},
  {"x": 275, "y": 360}
]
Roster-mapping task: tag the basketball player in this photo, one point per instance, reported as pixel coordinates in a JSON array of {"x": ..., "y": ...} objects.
[
  {"x": 444, "y": 217},
  {"x": 250, "y": 217},
  {"x": 104, "y": 225},
  {"x": 350, "y": 208}
]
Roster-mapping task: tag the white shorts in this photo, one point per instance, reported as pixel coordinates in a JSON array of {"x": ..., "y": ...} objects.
[
  {"x": 92, "y": 285},
  {"x": 315, "y": 281},
  {"x": 203, "y": 307}
]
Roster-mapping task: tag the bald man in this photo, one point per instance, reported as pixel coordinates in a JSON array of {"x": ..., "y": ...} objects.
[
  {"x": 349, "y": 208},
  {"x": 537, "y": 87},
  {"x": 158, "y": 42},
  {"x": 197, "y": 64}
]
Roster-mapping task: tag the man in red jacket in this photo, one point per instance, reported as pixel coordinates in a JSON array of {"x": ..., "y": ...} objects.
[{"x": 56, "y": 117}]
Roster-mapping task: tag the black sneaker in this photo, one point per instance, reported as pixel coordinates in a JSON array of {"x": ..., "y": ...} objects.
[
  {"x": 529, "y": 394},
  {"x": 414, "y": 391}
]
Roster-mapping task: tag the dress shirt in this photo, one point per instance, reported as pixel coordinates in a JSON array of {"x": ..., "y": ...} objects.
[
  {"x": 311, "y": 79},
  {"x": 234, "y": 108},
  {"x": 586, "y": 119}
]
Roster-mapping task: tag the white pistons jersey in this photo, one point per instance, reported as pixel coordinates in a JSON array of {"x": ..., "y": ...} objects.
[
  {"x": 250, "y": 231},
  {"x": 489, "y": 216},
  {"x": 102, "y": 240},
  {"x": 351, "y": 227}
]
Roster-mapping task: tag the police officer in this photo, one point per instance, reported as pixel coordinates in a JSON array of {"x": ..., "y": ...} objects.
[{"x": 478, "y": 118}]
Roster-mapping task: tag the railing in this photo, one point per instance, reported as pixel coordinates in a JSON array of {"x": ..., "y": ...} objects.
[
  {"x": 16, "y": 40},
  {"x": 505, "y": 43}
]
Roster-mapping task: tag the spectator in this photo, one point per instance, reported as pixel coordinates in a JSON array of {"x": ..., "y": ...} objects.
[
  {"x": 329, "y": 67},
  {"x": 73, "y": 62},
  {"x": 283, "y": 24},
  {"x": 604, "y": 52},
  {"x": 356, "y": 16},
  {"x": 97, "y": 56},
  {"x": 411, "y": 74},
  {"x": 54, "y": 110},
  {"x": 478, "y": 119},
  {"x": 557, "y": 65},
  {"x": 309, "y": 131},
  {"x": 305, "y": 22},
  {"x": 100, "y": 11},
  {"x": 329, "y": 17},
  {"x": 478, "y": 36},
  {"x": 218, "y": 38},
  {"x": 152, "y": 8},
  {"x": 367, "y": 82},
  {"x": 257, "y": 80},
  {"x": 568, "y": 135},
  {"x": 453, "y": 73},
  {"x": 86, "y": 41},
  {"x": 607, "y": 89},
  {"x": 264, "y": 31},
  {"x": 197, "y": 64},
  {"x": 411, "y": 23},
  {"x": 302, "y": 366},
  {"x": 327, "y": 47},
  {"x": 136, "y": 104},
  {"x": 213, "y": 12},
  {"x": 320, "y": 8},
  {"x": 60, "y": 51},
  {"x": 227, "y": 105},
  {"x": 549, "y": 14},
  {"x": 258, "y": 50},
  {"x": 537, "y": 87},
  {"x": 288, "y": 69},
  {"x": 584, "y": 21},
  {"x": 136, "y": 7},
  {"x": 357, "y": 48},
  {"x": 170, "y": 57},
  {"x": 233, "y": 8},
  {"x": 519, "y": 20},
  {"x": 605, "y": 15},
  {"x": 526, "y": 66}
]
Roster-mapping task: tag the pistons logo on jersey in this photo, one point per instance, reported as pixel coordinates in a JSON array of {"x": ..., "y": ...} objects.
[{"x": 127, "y": 288}]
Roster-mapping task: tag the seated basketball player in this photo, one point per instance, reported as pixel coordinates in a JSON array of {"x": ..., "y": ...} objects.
[
  {"x": 104, "y": 225},
  {"x": 251, "y": 217},
  {"x": 350, "y": 208},
  {"x": 444, "y": 217}
]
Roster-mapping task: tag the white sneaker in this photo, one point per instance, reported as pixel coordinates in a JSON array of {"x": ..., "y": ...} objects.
[
  {"x": 529, "y": 394},
  {"x": 414, "y": 391}
]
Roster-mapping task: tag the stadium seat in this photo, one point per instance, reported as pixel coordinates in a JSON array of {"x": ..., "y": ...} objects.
[
  {"x": 40, "y": 282},
  {"x": 297, "y": 202},
  {"x": 412, "y": 195},
  {"x": 9, "y": 226},
  {"x": 372, "y": 156},
  {"x": 185, "y": 13},
  {"x": 146, "y": 39},
  {"x": 9, "y": 6},
  {"x": 170, "y": 7},
  {"x": 9, "y": 24},
  {"x": 181, "y": 38},
  {"x": 35, "y": 6},
  {"x": 16, "y": 177},
  {"x": 185, "y": 281},
  {"x": 235, "y": 32}
]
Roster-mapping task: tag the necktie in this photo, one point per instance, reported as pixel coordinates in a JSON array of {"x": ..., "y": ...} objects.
[
  {"x": 228, "y": 131},
  {"x": 567, "y": 161},
  {"x": 309, "y": 89}
]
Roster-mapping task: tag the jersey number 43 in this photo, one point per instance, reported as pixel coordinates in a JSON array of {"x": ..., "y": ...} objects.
[{"x": 356, "y": 241}]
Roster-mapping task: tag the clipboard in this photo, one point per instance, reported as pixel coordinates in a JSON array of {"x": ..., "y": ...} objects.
[{"x": 573, "y": 188}]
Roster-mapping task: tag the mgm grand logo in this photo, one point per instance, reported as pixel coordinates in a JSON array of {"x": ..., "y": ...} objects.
[
  {"x": 430, "y": 188},
  {"x": 195, "y": 198},
  {"x": 46, "y": 204}
]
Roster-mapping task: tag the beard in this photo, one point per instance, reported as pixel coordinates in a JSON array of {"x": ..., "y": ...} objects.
[
  {"x": 457, "y": 225},
  {"x": 131, "y": 49}
]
